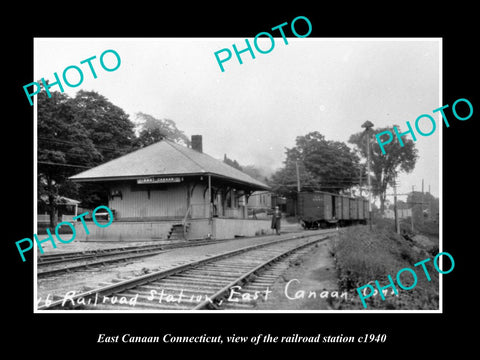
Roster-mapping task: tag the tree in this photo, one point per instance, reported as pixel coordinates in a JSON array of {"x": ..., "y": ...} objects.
[
  {"x": 232, "y": 163},
  {"x": 386, "y": 167},
  {"x": 64, "y": 148},
  {"x": 251, "y": 170},
  {"x": 151, "y": 130},
  {"x": 322, "y": 165},
  {"x": 111, "y": 132},
  {"x": 75, "y": 134},
  {"x": 109, "y": 127},
  {"x": 256, "y": 172},
  {"x": 285, "y": 180}
]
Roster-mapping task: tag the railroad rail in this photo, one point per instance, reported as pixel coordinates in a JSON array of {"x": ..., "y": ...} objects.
[
  {"x": 58, "y": 263},
  {"x": 201, "y": 284}
]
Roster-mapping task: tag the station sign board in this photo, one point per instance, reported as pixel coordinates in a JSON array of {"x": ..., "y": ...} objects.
[{"x": 159, "y": 180}]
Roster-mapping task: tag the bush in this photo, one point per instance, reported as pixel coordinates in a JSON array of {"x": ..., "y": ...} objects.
[
  {"x": 429, "y": 227},
  {"x": 361, "y": 257}
]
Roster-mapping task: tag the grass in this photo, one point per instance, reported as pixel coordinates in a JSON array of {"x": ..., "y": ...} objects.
[
  {"x": 363, "y": 256},
  {"x": 428, "y": 227}
]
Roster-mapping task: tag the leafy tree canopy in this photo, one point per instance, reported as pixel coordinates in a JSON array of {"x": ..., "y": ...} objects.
[
  {"x": 151, "y": 130},
  {"x": 64, "y": 148},
  {"x": 109, "y": 127},
  {"x": 75, "y": 134},
  {"x": 322, "y": 165},
  {"x": 385, "y": 167},
  {"x": 232, "y": 163}
]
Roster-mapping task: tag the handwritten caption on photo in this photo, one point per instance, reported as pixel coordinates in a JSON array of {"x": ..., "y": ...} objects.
[{"x": 292, "y": 292}]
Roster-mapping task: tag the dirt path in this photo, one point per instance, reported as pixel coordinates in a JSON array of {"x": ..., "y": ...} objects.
[{"x": 307, "y": 284}]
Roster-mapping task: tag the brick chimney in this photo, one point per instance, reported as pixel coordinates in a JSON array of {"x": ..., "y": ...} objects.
[{"x": 197, "y": 143}]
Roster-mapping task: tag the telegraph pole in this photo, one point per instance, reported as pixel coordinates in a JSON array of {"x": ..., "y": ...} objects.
[
  {"x": 395, "y": 208},
  {"x": 423, "y": 199},
  {"x": 360, "y": 182},
  {"x": 368, "y": 125},
  {"x": 430, "y": 217},
  {"x": 298, "y": 176},
  {"x": 411, "y": 215},
  {"x": 298, "y": 188}
]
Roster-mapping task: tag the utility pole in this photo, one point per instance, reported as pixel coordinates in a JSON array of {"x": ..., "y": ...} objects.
[
  {"x": 360, "y": 182},
  {"x": 298, "y": 189},
  {"x": 298, "y": 176},
  {"x": 423, "y": 199},
  {"x": 395, "y": 209},
  {"x": 369, "y": 182},
  {"x": 368, "y": 125},
  {"x": 411, "y": 215},
  {"x": 429, "y": 204}
]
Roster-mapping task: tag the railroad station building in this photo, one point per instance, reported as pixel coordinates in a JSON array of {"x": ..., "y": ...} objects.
[{"x": 169, "y": 191}]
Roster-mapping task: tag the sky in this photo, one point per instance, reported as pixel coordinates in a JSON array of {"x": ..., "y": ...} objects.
[{"x": 253, "y": 111}]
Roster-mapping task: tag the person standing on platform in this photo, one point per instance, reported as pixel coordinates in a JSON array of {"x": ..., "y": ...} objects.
[{"x": 276, "y": 220}]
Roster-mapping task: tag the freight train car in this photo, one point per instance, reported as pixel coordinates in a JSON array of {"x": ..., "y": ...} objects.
[{"x": 321, "y": 209}]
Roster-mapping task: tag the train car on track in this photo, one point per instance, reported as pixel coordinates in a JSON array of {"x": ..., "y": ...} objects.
[{"x": 320, "y": 209}]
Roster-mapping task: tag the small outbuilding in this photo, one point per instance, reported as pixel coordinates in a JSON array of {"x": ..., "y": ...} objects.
[
  {"x": 66, "y": 208},
  {"x": 167, "y": 191}
]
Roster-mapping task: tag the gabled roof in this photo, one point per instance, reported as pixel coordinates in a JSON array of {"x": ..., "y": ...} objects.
[{"x": 165, "y": 158}]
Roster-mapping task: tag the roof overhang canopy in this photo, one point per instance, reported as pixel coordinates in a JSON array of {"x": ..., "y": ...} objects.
[{"x": 167, "y": 159}]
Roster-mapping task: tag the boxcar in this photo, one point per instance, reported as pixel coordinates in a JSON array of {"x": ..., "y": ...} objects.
[
  {"x": 345, "y": 208},
  {"x": 321, "y": 209},
  {"x": 314, "y": 208},
  {"x": 360, "y": 208},
  {"x": 353, "y": 209}
]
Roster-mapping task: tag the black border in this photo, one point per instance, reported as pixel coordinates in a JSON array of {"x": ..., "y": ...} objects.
[{"x": 409, "y": 333}]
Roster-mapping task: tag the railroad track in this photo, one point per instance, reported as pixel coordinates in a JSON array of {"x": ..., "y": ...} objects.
[
  {"x": 212, "y": 283},
  {"x": 246, "y": 295},
  {"x": 58, "y": 263}
]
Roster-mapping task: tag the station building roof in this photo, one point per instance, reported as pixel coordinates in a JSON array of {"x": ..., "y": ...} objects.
[{"x": 166, "y": 158}]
